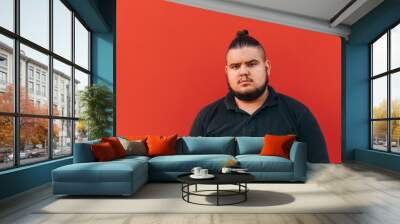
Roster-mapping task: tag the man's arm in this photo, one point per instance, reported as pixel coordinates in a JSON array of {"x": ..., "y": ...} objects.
[
  {"x": 198, "y": 126},
  {"x": 310, "y": 133}
]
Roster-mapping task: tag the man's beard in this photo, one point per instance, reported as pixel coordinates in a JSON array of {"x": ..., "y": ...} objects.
[{"x": 249, "y": 96}]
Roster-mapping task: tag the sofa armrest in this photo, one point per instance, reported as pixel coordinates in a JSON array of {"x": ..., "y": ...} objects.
[
  {"x": 83, "y": 152},
  {"x": 298, "y": 155}
]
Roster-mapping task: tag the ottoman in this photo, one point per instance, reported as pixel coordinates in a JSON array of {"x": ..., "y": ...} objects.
[{"x": 119, "y": 177}]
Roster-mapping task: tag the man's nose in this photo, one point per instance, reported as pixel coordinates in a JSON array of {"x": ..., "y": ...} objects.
[{"x": 243, "y": 70}]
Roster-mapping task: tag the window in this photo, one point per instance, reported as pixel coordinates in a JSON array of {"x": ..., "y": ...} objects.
[
  {"x": 43, "y": 77},
  {"x": 35, "y": 21},
  {"x": 62, "y": 29},
  {"x": 44, "y": 91},
  {"x": 3, "y": 61},
  {"x": 43, "y": 114},
  {"x": 38, "y": 89},
  {"x": 7, "y": 14},
  {"x": 30, "y": 87},
  {"x": 3, "y": 78},
  {"x": 385, "y": 91},
  {"x": 38, "y": 74},
  {"x": 3, "y": 72},
  {"x": 81, "y": 45},
  {"x": 30, "y": 72}
]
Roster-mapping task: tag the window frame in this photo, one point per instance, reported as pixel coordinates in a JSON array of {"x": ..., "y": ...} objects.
[
  {"x": 388, "y": 74},
  {"x": 16, "y": 114}
]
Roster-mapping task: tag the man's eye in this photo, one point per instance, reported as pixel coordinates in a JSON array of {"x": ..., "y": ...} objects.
[
  {"x": 252, "y": 64},
  {"x": 235, "y": 66}
]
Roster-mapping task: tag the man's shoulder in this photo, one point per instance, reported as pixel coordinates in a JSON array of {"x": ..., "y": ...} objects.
[
  {"x": 292, "y": 103},
  {"x": 213, "y": 105}
]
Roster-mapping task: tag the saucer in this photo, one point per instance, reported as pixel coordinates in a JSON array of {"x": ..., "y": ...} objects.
[{"x": 208, "y": 176}]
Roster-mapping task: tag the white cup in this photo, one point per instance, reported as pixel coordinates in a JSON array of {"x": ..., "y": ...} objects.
[
  {"x": 226, "y": 170},
  {"x": 196, "y": 170},
  {"x": 203, "y": 172}
]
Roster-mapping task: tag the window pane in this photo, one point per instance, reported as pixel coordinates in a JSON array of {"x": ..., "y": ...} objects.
[
  {"x": 395, "y": 136},
  {"x": 6, "y": 74},
  {"x": 33, "y": 140},
  {"x": 379, "y": 55},
  {"x": 81, "y": 45},
  {"x": 35, "y": 21},
  {"x": 379, "y": 97},
  {"x": 62, "y": 137},
  {"x": 395, "y": 94},
  {"x": 81, "y": 81},
  {"x": 34, "y": 79},
  {"x": 62, "y": 29},
  {"x": 62, "y": 89},
  {"x": 395, "y": 47},
  {"x": 81, "y": 131},
  {"x": 7, "y": 14},
  {"x": 6, "y": 142},
  {"x": 379, "y": 135}
]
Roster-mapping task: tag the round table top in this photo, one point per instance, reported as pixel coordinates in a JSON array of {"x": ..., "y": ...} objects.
[{"x": 220, "y": 178}]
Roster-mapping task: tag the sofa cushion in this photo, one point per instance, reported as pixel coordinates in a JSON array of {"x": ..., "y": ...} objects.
[
  {"x": 208, "y": 145},
  {"x": 249, "y": 145},
  {"x": 97, "y": 172},
  {"x": 161, "y": 145},
  {"x": 116, "y": 145},
  {"x": 185, "y": 163},
  {"x": 277, "y": 145},
  {"x": 103, "y": 151},
  {"x": 257, "y": 163},
  {"x": 134, "y": 147}
]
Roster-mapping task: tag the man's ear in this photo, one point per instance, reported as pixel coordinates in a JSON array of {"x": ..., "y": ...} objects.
[
  {"x": 268, "y": 66},
  {"x": 226, "y": 69}
]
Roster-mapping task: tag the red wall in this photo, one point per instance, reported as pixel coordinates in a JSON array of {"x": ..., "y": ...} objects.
[{"x": 170, "y": 64}]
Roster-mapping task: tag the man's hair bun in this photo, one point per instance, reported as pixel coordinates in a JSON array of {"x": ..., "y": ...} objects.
[
  {"x": 243, "y": 39},
  {"x": 242, "y": 33}
]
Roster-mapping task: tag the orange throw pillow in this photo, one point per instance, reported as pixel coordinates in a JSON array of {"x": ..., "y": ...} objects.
[
  {"x": 116, "y": 145},
  {"x": 103, "y": 151},
  {"x": 161, "y": 145},
  {"x": 277, "y": 145}
]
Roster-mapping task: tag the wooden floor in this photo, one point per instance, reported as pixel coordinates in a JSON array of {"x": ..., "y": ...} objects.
[{"x": 377, "y": 188}]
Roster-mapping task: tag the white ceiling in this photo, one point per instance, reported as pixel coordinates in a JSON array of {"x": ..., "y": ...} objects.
[
  {"x": 319, "y": 9},
  {"x": 327, "y": 16}
]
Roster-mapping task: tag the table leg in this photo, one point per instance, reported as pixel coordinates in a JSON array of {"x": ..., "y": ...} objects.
[
  {"x": 196, "y": 188},
  {"x": 217, "y": 194},
  {"x": 245, "y": 193}
]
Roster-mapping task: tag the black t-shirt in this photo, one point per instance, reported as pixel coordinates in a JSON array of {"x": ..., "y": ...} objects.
[{"x": 279, "y": 115}]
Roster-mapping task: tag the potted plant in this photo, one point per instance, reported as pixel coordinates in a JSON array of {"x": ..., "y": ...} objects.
[{"x": 96, "y": 102}]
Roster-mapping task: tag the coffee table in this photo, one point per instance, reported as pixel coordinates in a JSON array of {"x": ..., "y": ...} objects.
[{"x": 238, "y": 179}]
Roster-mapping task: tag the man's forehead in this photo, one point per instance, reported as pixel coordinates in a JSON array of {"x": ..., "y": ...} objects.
[{"x": 244, "y": 54}]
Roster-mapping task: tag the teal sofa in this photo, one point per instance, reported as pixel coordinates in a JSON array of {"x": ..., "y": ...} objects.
[{"x": 125, "y": 176}]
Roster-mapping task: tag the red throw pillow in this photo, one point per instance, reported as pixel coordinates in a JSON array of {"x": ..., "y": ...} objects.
[
  {"x": 277, "y": 145},
  {"x": 161, "y": 145},
  {"x": 116, "y": 145},
  {"x": 103, "y": 151}
]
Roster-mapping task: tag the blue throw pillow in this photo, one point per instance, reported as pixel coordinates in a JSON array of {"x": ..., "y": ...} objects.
[
  {"x": 249, "y": 145},
  {"x": 208, "y": 145}
]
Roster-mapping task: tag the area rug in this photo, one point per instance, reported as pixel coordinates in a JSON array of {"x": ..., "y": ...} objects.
[{"x": 167, "y": 198}]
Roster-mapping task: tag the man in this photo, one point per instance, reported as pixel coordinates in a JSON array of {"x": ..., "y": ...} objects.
[{"x": 253, "y": 108}]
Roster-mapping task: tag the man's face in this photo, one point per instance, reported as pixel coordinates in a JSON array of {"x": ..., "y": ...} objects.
[{"x": 247, "y": 72}]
